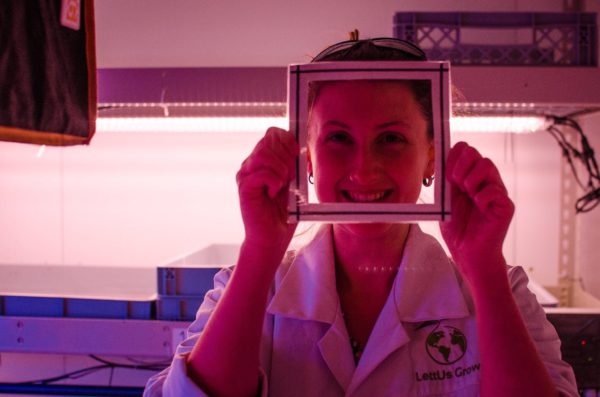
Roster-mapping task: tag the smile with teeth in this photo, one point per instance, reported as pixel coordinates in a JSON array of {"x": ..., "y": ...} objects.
[{"x": 364, "y": 197}]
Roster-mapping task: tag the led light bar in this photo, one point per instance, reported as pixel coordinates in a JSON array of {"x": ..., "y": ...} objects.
[
  {"x": 226, "y": 117},
  {"x": 468, "y": 124},
  {"x": 498, "y": 124},
  {"x": 189, "y": 124}
]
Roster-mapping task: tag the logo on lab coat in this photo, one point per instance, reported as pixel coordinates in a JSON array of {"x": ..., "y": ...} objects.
[{"x": 446, "y": 344}]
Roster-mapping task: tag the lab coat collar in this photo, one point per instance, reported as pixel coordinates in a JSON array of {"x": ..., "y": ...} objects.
[
  {"x": 426, "y": 287},
  {"x": 337, "y": 353},
  {"x": 388, "y": 335},
  {"x": 308, "y": 290}
]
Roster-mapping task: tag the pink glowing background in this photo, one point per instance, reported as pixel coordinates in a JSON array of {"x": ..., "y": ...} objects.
[{"x": 138, "y": 199}]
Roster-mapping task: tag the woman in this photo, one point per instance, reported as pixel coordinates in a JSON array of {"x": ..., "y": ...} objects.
[{"x": 369, "y": 309}]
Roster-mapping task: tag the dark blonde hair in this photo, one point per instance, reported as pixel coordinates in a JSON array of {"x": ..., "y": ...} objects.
[{"x": 365, "y": 50}]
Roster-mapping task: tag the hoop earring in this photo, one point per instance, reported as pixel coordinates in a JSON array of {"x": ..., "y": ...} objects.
[
  {"x": 428, "y": 181},
  {"x": 311, "y": 179}
]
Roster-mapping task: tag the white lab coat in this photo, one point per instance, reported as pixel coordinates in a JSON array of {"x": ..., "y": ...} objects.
[{"x": 424, "y": 342}]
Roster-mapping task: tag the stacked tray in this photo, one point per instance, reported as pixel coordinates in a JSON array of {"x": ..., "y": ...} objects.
[
  {"x": 173, "y": 291},
  {"x": 77, "y": 291},
  {"x": 53, "y": 306},
  {"x": 181, "y": 290},
  {"x": 183, "y": 281}
]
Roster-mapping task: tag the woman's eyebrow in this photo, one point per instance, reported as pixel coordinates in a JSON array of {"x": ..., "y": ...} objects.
[
  {"x": 379, "y": 126},
  {"x": 395, "y": 123},
  {"x": 336, "y": 123}
]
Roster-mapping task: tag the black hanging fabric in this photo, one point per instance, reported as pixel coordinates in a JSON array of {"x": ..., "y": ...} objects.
[{"x": 47, "y": 72}]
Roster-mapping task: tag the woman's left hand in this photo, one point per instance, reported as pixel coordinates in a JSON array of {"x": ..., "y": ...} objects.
[{"x": 481, "y": 214}]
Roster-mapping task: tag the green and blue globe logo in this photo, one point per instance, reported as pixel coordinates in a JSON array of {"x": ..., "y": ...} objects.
[{"x": 446, "y": 344}]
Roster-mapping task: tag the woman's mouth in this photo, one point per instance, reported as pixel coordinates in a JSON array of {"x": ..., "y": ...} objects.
[{"x": 366, "y": 197}]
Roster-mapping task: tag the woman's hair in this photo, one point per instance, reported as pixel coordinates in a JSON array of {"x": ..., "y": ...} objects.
[{"x": 368, "y": 50}]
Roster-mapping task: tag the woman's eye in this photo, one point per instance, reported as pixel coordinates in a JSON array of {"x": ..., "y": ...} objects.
[
  {"x": 339, "y": 137},
  {"x": 392, "y": 138}
]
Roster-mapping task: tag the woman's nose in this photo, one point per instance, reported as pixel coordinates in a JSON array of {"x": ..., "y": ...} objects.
[{"x": 365, "y": 166}]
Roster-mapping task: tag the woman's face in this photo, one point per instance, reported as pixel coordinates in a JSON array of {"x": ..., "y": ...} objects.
[{"x": 368, "y": 143}]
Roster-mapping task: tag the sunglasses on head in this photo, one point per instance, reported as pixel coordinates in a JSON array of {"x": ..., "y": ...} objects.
[{"x": 406, "y": 50}]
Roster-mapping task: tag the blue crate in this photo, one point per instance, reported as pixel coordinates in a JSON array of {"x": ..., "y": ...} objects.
[
  {"x": 193, "y": 273},
  {"x": 178, "y": 308},
  {"x": 186, "y": 280},
  {"x": 100, "y": 308},
  {"x": 31, "y": 306},
  {"x": 537, "y": 39},
  {"x": 182, "y": 282},
  {"x": 45, "y": 306}
]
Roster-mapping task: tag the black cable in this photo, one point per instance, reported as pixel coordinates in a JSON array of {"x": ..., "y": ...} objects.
[
  {"x": 586, "y": 155},
  {"x": 104, "y": 364},
  {"x": 578, "y": 335},
  {"x": 70, "y": 375},
  {"x": 70, "y": 390},
  {"x": 158, "y": 366}
]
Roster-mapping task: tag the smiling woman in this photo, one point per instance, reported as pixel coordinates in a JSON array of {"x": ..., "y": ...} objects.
[
  {"x": 368, "y": 142},
  {"x": 369, "y": 307},
  {"x": 397, "y": 99}
]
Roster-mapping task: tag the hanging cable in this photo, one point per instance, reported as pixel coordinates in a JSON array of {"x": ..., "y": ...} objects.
[
  {"x": 585, "y": 155},
  {"x": 104, "y": 364}
]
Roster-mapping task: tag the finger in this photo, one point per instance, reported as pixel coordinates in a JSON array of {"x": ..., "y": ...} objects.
[
  {"x": 493, "y": 199},
  {"x": 271, "y": 135},
  {"x": 260, "y": 182},
  {"x": 257, "y": 166},
  {"x": 264, "y": 156},
  {"x": 285, "y": 138},
  {"x": 484, "y": 172},
  {"x": 453, "y": 155},
  {"x": 463, "y": 165},
  {"x": 265, "y": 174},
  {"x": 282, "y": 140},
  {"x": 284, "y": 145}
]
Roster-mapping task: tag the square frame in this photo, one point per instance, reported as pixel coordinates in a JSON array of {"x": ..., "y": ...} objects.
[{"x": 299, "y": 77}]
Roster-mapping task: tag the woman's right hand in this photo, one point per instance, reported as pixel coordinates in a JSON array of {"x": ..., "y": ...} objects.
[
  {"x": 236, "y": 322},
  {"x": 263, "y": 184}
]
